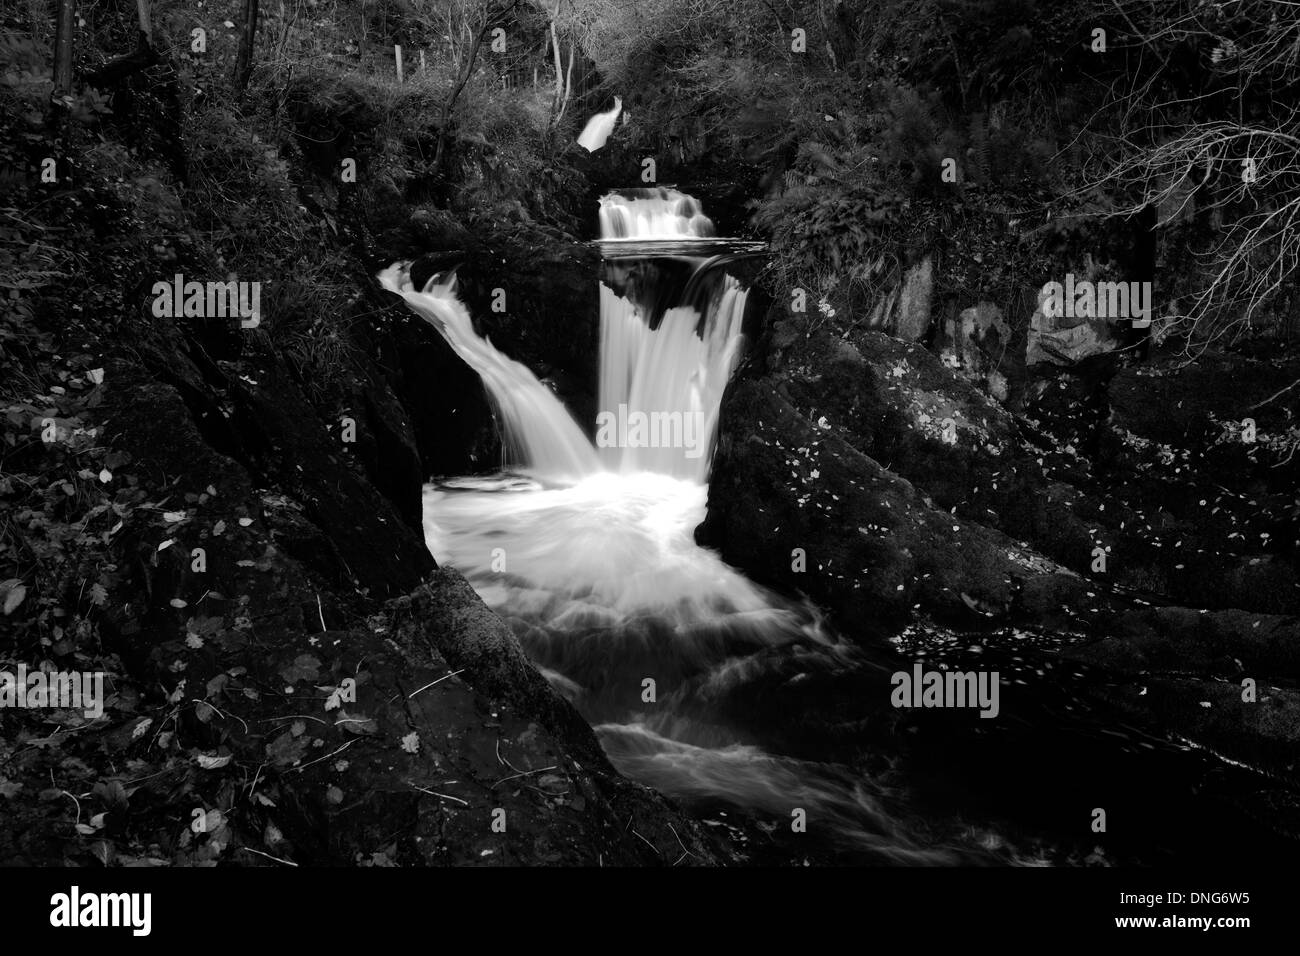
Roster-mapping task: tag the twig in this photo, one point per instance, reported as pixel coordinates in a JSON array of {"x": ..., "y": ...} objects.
[
  {"x": 525, "y": 773},
  {"x": 1274, "y": 396},
  {"x": 434, "y": 793},
  {"x": 685, "y": 852},
  {"x": 319, "y": 759},
  {"x": 220, "y": 714},
  {"x": 647, "y": 843},
  {"x": 267, "y": 720},
  {"x": 431, "y": 683},
  {"x": 249, "y": 849},
  {"x": 503, "y": 761}
]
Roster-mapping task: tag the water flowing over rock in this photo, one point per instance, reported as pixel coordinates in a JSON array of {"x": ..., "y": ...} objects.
[
  {"x": 598, "y": 128},
  {"x": 659, "y": 213},
  {"x": 538, "y": 429}
]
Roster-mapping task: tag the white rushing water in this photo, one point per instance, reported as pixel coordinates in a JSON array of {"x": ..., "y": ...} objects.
[
  {"x": 537, "y": 428},
  {"x": 674, "y": 376},
  {"x": 599, "y": 127},
  {"x": 647, "y": 214},
  {"x": 586, "y": 549},
  {"x": 597, "y": 535}
]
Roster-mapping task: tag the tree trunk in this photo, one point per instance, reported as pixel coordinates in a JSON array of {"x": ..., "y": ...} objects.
[
  {"x": 450, "y": 102},
  {"x": 65, "y": 26},
  {"x": 559, "y": 65},
  {"x": 491, "y": 19},
  {"x": 244, "y": 60},
  {"x": 146, "y": 20},
  {"x": 568, "y": 85}
]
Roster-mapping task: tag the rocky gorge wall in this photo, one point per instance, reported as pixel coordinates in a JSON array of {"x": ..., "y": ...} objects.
[{"x": 1113, "y": 501}]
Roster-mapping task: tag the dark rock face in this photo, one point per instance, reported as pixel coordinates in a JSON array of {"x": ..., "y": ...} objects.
[
  {"x": 874, "y": 547},
  {"x": 1201, "y": 408},
  {"x": 266, "y": 423},
  {"x": 452, "y": 421},
  {"x": 1088, "y": 509},
  {"x": 1066, "y": 474}
]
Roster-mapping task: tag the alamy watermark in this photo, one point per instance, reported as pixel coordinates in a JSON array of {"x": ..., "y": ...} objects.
[
  {"x": 209, "y": 300},
  {"x": 55, "y": 690},
  {"x": 1085, "y": 299},
  {"x": 922, "y": 688},
  {"x": 133, "y": 911},
  {"x": 624, "y": 429}
]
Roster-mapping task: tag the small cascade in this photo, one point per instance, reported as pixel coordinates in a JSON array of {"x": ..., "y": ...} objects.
[
  {"x": 666, "y": 381},
  {"x": 669, "y": 343},
  {"x": 652, "y": 214},
  {"x": 538, "y": 430}
]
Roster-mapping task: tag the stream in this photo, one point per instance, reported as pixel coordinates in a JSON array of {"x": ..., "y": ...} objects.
[{"x": 743, "y": 704}]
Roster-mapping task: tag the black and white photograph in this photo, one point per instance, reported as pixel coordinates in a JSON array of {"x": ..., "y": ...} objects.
[{"x": 805, "y": 445}]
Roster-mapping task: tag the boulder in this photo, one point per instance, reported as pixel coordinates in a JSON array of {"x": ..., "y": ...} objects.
[
  {"x": 874, "y": 547},
  {"x": 913, "y": 319},
  {"x": 1064, "y": 340},
  {"x": 975, "y": 344}
]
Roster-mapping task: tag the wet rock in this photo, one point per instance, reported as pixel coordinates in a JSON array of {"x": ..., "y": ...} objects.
[
  {"x": 874, "y": 548},
  {"x": 900, "y": 405},
  {"x": 1201, "y": 407},
  {"x": 1179, "y": 640},
  {"x": 1223, "y": 679}
]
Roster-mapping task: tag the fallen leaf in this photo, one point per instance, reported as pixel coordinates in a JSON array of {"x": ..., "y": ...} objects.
[
  {"x": 286, "y": 750},
  {"x": 14, "y": 592},
  {"x": 304, "y": 667}
]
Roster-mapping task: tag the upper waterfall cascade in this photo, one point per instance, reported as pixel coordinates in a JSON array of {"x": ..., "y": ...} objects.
[
  {"x": 661, "y": 384},
  {"x": 659, "y": 213}
]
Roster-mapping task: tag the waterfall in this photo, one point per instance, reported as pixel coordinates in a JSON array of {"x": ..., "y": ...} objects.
[
  {"x": 586, "y": 548},
  {"x": 599, "y": 127},
  {"x": 672, "y": 376},
  {"x": 661, "y": 384},
  {"x": 659, "y": 213},
  {"x": 538, "y": 430}
]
